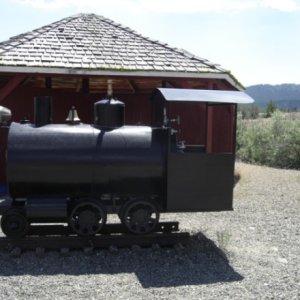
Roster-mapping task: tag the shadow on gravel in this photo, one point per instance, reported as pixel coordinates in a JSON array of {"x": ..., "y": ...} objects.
[
  {"x": 199, "y": 262},
  {"x": 236, "y": 179}
]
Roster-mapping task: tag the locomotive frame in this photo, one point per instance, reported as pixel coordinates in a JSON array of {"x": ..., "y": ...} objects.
[{"x": 78, "y": 173}]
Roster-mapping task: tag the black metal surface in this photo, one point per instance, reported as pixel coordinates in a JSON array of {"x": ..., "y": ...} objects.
[
  {"x": 140, "y": 217},
  {"x": 88, "y": 218},
  {"x": 200, "y": 182},
  {"x": 42, "y": 110},
  {"x": 194, "y": 148},
  {"x": 104, "y": 241},
  {"x": 109, "y": 113},
  {"x": 14, "y": 224},
  {"x": 5, "y": 204},
  {"x": 3, "y": 191},
  {"x": 43, "y": 230},
  {"x": 83, "y": 160},
  {"x": 46, "y": 207}
]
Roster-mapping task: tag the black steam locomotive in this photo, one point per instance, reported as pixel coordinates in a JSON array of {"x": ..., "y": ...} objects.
[{"x": 78, "y": 173}]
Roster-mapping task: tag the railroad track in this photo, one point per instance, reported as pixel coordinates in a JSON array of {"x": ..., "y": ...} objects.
[{"x": 58, "y": 237}]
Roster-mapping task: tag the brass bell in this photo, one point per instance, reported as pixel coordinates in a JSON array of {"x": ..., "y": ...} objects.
[{"x": 73, "y": 118}]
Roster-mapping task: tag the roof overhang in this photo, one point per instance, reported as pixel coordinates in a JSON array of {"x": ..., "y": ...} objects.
[
  {"x": 126, "y": 73},
  {"x": 211, "y": 96}
]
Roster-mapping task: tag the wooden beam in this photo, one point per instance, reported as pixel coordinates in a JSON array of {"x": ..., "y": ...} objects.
[
  {"x": 10, "y": 86},
  {"x": 173, "y": 84},
  {"x": 27, "y": 80},
  {"x": 48, "y": 82},
  {"x": 132, "y": 86}
]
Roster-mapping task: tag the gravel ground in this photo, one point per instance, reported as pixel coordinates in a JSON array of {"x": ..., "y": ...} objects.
[{"x": 259, "y": 256}]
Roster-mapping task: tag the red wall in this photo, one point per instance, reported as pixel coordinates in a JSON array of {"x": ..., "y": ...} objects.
[
  {"x": 21, "y": 104},
  {"x": 220, "y": 128},
  {"x": 192, "y": 127}
]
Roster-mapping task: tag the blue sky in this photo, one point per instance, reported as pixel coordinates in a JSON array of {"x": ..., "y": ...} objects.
[{"x": 258, "y": 40}]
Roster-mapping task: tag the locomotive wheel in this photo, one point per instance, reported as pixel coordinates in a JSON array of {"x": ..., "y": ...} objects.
[
  {"x": 87, "y": 218},
  {"x": 14, "y": 224},
  {"x": 140, "y": 216}
]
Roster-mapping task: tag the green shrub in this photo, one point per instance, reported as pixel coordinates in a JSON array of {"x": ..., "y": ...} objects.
[{"x": 274, "y": 142}]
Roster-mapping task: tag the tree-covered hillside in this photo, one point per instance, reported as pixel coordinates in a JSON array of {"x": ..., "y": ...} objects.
[{"x": 285, "y": 96}]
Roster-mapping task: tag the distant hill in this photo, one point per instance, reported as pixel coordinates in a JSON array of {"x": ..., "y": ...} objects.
[{"x": 285, "y": 96}]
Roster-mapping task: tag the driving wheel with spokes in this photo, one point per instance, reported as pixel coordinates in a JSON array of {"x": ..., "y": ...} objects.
[
  {"x": 87, "y": 218},
  {"x": 14, "y": 224},
  {"x": 140, "y": 216}
]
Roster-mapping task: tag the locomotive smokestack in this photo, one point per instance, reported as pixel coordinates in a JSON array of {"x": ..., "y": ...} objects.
[
  {"x": 42, "y": 110},
  {"x": 109, "y": 113}
]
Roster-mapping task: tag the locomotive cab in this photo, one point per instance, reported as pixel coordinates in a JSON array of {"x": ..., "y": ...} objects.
[{"x": 201, "y": 174}]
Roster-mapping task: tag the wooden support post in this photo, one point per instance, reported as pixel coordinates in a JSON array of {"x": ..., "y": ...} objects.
[
  {"x": 78, "y": 85},
  {"x": 85, "y": 85},
  {"x": 10, "y": 86}
]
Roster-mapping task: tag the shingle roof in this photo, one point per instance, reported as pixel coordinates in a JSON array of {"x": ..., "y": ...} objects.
[{"x": 92, "y": 42}]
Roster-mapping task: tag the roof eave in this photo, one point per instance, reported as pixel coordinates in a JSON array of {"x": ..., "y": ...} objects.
[{"x": 109, "y": 72}]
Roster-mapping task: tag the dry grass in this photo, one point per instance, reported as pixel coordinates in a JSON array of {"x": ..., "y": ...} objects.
[{"x": 245, "y": 172}]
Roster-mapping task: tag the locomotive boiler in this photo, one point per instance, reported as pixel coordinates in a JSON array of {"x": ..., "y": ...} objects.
[{"x": 78, "y": 173}]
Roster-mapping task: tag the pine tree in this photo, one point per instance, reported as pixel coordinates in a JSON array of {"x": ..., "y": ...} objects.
[{"x": 270, "y": 109}]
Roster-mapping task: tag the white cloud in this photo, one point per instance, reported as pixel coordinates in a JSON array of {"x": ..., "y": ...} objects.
[
  {"x": 283, "y": 5},
  {"x": 171, "y": 6}
]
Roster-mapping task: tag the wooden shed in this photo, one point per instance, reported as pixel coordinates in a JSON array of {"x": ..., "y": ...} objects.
[{"x": 72, "y": 60}]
